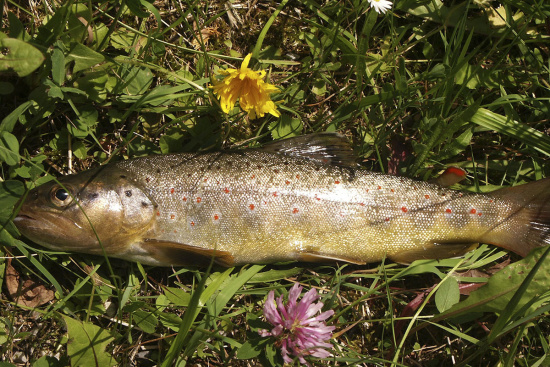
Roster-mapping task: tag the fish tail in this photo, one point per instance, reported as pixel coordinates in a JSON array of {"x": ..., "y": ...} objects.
[{"x": 527, "y": 224}]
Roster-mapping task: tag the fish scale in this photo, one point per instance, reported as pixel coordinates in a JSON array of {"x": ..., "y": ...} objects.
[{"x": 299, "y": 199}]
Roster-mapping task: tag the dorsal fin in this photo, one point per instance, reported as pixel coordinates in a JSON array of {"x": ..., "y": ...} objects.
[{"x": 324, "y": 148}]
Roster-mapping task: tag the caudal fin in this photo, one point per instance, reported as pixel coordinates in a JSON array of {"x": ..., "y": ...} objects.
[{"x": 527, "y": 225}]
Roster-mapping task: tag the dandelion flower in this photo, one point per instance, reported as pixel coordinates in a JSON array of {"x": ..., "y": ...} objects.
[
  {"x": 249, "y": 88},
  {"x": 381, "y": 6},
  {"x": 298, "y": 331}
]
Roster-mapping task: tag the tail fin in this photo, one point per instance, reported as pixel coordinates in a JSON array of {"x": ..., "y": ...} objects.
[{"x": 527, "y": 225}]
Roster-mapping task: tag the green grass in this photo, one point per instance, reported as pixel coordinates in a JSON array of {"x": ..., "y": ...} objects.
[{"x": 426, "y": 86}]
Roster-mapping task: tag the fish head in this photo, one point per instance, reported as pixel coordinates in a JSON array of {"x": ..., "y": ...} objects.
[{"x": 100, "y": 211}]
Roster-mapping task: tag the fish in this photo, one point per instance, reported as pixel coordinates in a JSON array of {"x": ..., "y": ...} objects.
[{"x": 303, "y": 199}]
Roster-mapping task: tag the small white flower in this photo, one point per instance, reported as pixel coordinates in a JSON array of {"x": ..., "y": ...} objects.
[{"x": 381, "y": 6}]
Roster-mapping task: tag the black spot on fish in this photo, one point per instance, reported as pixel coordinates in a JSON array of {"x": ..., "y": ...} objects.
[
  {"x": 122, "y": 176},
  {"x": 158, "y": 170},
  {"x": 144, "y": 204},
  {"x": 93, "y": 196},
  {"x": 128, "y": 193}
]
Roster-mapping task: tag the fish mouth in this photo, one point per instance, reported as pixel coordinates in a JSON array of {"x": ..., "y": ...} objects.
[{"x": 22, "y": 217}]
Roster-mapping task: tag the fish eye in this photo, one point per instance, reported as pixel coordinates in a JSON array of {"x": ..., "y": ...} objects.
[{"x": 60, "y": 196}]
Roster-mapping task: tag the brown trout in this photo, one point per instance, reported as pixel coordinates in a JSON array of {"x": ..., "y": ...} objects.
[{"x": 297, "y": 199}]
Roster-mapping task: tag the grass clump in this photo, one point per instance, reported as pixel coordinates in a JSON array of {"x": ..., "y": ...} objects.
[{"x": 422, "y": 87}]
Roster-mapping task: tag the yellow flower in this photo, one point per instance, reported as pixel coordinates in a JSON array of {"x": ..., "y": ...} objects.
[{"x": 249, "y": 88}]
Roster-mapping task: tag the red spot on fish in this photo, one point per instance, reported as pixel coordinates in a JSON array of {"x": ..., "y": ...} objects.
[
  {"x": 253, "y": 176},
  {"x": 295, "y": 211},
  {"x": 336, "y": 182},
  {"x": 473, "y": 211},
  {"x": 251, "y": 206},
  {"x": 275, "y": 171},
  {"x": 404, "y": 209},
  {"x": 298, "y": 176},
  {"x": 205, "y": 179},
  {"x": 362, "y": 204},
  {"x": 427, "y": 196},
  {"x": 192, "y": 223},
  {"x": 147, "y": 179},
  {"x": 387, "y": 219},
  {"x": 175, "y": 231},
  {"x": 392, "y": 190},
  {"x": 184, "y": 198},
  {"x": 491, "y": 200},
  {"x": 226, "y": 190},
  {"x": 479, "y": 214},
  {"x": 199, "y": 200},
  {"x": 367, "y": 190},
  {"x": 158, "y": 214},
  {"x": 448, "y": 210},
  {"x": 172, "y": 190},
  {"x": 379, "y": 187},
  {"x": 275, "y": 193},
  {"x": 287, "y": 182},
  {"x": 216, "y": 217},
  {"x": 172, "y": 216}
]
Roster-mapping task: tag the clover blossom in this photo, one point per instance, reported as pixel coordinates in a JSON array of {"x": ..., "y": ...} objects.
[
  {"x": 249, "y": 88},
  {"x": 381, "y": 6},
  {"x": 298, "y": 331}
]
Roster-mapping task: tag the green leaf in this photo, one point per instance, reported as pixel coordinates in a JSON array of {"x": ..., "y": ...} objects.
[
  {"x": 507, "y": 126},
  {"x": 49, "y": 361},
  {"x": 17, "y": 29},
  {"x": 286, "y": 127},
  {"x": 9, "y": 148},
  {"x": 252, "y": 348},
  {"x": 87, "y": 343},
  {"x": 177, "y": 296},
  {"x": 10, "y": 120},
  {"x": 497, "y": 293},
  {"x": 21, "y": 57},
  {"x": 58, "y": 65},
  {"x": 275, "y": 274},
  {"x": 84, "y": 57},
  {"x": 447, "y": 294},
  {"x": 145, "y": 320}
]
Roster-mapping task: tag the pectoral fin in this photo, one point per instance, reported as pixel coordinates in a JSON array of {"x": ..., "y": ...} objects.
[
  {"x": 433, "y": 251},
  {"x": 177, "y": 254},
  {"x": 315, "y": 257}
]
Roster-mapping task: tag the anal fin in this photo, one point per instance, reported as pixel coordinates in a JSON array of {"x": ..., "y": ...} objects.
[
  {"x": 433, "y": 251},
  {"x": 166, "y": 253}
]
